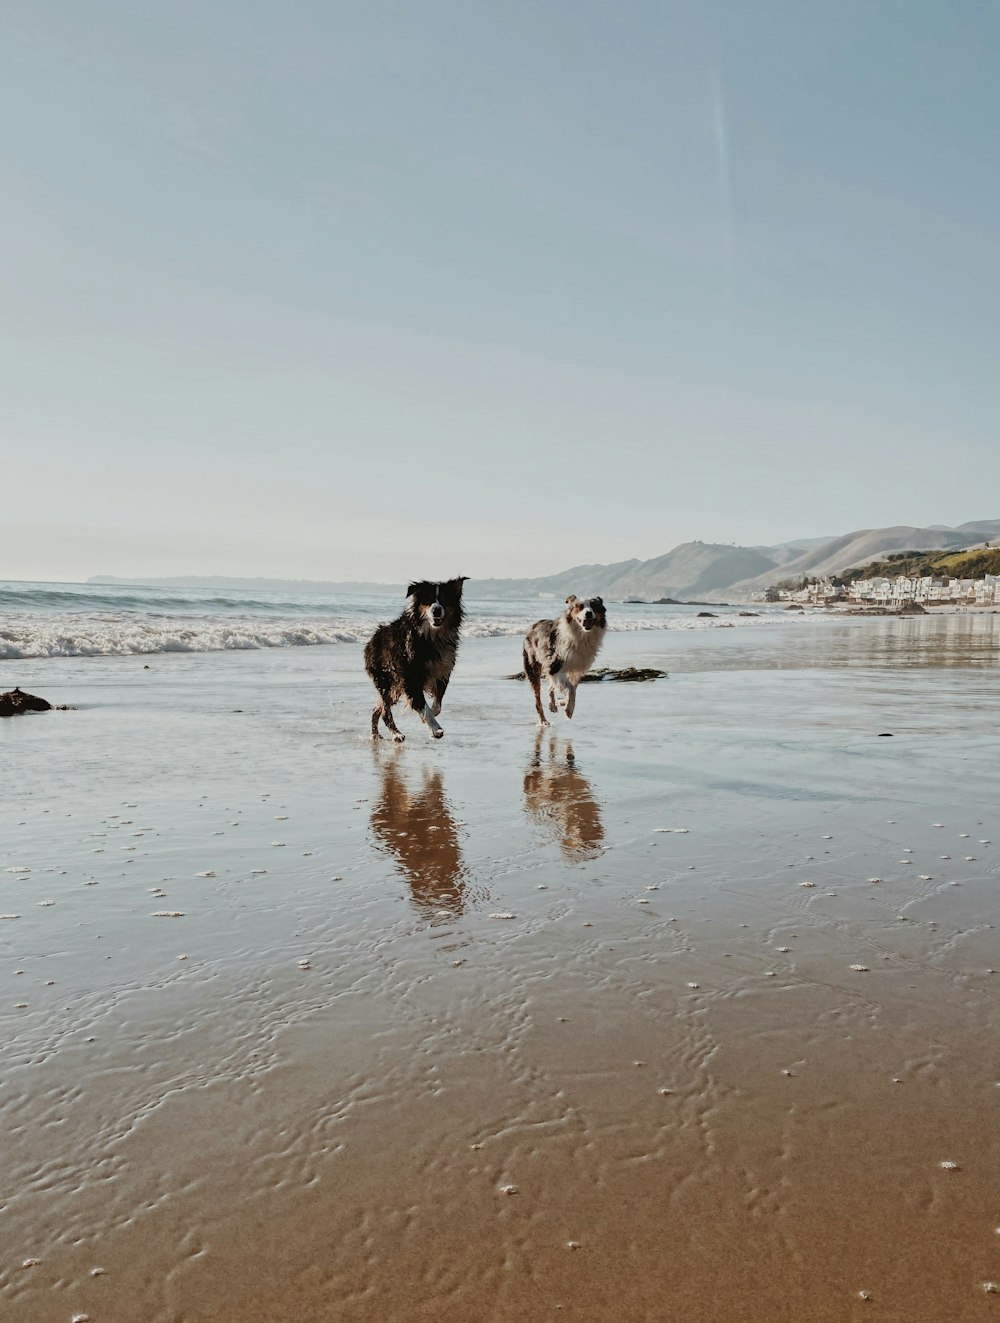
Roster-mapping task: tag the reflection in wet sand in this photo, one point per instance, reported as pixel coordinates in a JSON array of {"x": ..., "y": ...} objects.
[
  {"x": 825, "y": 642},
  {"x": 947, "y": 640},
  {"x": 558, "y": 797},
  {"x": 416, "y": 827}
]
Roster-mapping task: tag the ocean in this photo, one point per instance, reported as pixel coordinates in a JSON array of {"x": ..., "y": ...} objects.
[{"x": 54, "y": 620}]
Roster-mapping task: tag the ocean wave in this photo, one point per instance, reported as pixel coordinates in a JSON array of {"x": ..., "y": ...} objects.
[
  {"x": 38, "y": 640},
  {"x": 85, "y": 599},
  {"x": 71, "y": 636}
]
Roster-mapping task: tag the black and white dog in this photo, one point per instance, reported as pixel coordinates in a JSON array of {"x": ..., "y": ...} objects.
[
  {"x": 563, "y": 651},
  {"x": 414, "y": 655}
]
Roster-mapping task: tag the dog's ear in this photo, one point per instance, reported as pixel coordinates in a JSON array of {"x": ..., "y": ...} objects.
[
  {"x": 415, "y": 588},
  {"x": 572, "y": 598},
  {"x": 598, "y": 601},
  {"x": 457, "y": 583}
]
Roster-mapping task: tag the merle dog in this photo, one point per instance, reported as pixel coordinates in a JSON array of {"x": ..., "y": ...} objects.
[
  {"x": 563, "y": 651},
  {"x": 413, "y": 656}
]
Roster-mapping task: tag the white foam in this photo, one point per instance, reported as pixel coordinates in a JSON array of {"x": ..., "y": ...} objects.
[{"x": 41, "y": 638}]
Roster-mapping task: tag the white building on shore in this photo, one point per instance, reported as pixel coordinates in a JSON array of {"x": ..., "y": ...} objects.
[{"x": 893, "y": 593}]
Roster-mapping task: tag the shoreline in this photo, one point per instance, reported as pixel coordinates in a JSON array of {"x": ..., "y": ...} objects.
[{"x": 926, "y": 608}]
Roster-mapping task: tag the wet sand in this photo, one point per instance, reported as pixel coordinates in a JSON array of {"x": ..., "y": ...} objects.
[{"x": 610, "y": 1022}]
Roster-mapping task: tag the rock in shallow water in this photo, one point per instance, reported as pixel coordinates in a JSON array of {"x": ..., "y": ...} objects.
[{"x": 16, "y": 701}]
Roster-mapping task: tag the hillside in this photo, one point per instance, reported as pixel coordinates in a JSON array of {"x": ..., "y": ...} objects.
[
  {"x": 972, "y": 564},
  {"x": 692, "y": 569},
  {"x": 866, "y": 546},
  {"x": 596, "y": 579}
]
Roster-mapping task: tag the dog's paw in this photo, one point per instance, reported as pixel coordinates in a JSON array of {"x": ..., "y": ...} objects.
[
  {"x": 399, "y": 737},
  {"x": 437, "y": 734},
  {"x": 543, "y": 723}
]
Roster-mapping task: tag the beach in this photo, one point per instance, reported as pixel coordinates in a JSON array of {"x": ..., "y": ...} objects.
[{"x": 686, "y": 1009}]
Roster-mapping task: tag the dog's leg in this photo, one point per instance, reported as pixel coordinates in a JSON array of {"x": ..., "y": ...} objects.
[
  {"x": 440, "y": 688},
  {"x": 571, "y": 701},
  {"x": 427, "y": 715},
  {"x": 557, "y": 685},
  {"x": 382, "y": 681},
  {"x": 534, "y": 673},
  {"x": 390, "y": 722},
  {"x": 415, "y": 695}
]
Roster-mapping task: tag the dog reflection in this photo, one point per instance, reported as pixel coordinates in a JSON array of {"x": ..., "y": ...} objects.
[
  {"x": 558, "y": 797},
  {"x": 415, "y": 826}
]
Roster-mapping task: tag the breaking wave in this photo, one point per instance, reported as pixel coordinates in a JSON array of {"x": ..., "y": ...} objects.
[
  {"x": 109, "y": 640},
  {"x": 76, "y": 637}
]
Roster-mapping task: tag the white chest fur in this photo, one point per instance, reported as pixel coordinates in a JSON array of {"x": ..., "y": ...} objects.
[{"x": 577, "y": 647}]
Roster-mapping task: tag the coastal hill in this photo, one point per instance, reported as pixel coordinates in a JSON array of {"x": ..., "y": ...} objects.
[
  {"x": 717, "y": 571},
  {"x": 867, "y": 545},
  {"x": 694, "y": 570},
  {"x": 972, "y": 564}
]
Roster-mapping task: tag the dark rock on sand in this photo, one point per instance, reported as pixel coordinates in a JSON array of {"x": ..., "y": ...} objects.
[
  {"x": 627, "y": 674},
  {"x": 710, "y": 615},
  {"x": 907, "y": 609},
  {"x": 16, "y": 701}
]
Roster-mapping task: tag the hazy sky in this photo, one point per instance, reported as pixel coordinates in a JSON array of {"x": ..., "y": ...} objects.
[{"x": 351, "y": 289}]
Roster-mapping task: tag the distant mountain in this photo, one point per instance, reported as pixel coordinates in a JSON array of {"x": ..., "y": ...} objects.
[
  {"x": 693, "y": 570},
  {"x": 787, "y": 551},
  {"x": 986, "y": 528}
]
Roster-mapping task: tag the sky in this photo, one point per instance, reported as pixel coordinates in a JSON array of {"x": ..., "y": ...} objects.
[{"x": 349, "y": 289}]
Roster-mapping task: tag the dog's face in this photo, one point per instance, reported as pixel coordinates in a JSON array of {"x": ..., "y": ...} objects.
[
  {"x": 437, "y": 605},
  {"x": 586, "y": 612}
]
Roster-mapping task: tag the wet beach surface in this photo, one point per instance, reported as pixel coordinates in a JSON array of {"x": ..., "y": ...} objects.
[{"x": 685, "y": 1009}]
